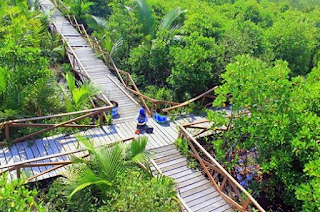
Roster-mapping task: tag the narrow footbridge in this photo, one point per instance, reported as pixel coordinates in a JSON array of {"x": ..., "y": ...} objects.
[{"x": 210, "y": 190}]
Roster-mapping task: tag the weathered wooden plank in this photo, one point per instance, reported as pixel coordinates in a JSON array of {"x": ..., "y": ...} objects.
[
  {"x": 53, "y": 149},
  {"x": 94, "y": 136},
  {"x": 164, "y": 148},
  {"x": 197, "y": 195},
  {"x": 176, "y": 171},
  {"x": 166, "y": 154},
  {"x": 200, "y": 199},
  {"x": 213, "y": 205},
  {"x": 196, "y": 190},
  {"x": 183, "y": 173},
  {"x": 194, "y": 179},
  {"x": 223, "y": 208},
  {"x": 187, "y": 177},
  {"x": 37, "y": 154},
  {"x": 172, "y": 161},
  {"x": 30, "y": 155},
  {"x": 23, "y": 156},
  {"x": 174, "y": 166},
  {"x": 43, "y": 152},
  {"x": 204, "y": 183},
  {"x": 208, "y": 205},
  {"x": 2, "y": 157}
]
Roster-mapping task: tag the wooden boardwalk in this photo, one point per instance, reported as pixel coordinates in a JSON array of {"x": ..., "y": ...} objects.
[
  {"x": 98, "y": 72},
  {"x": 193, "y": 187},
  {"x": 195, "y": 190}
]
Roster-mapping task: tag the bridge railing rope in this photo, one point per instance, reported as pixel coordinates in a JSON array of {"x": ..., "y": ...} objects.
[{"x": 220, "y": 179}]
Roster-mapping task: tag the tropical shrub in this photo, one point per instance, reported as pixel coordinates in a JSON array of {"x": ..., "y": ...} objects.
[
  {"x": 16, "y": 196},
  {"x": 25, "y": 48},
  {"x": 281, "y": 126},
  {"x": 111, "y": 181}
]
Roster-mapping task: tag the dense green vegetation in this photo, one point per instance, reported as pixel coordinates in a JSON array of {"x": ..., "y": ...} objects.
[
  {"x": 184, "y": 48},
  {"x": 27, "y": 51},
  {"x": 192, "y": 54},
  {"x": 283, "y": 127},
  {"x": 31, "y": 61},
  {"x": 16, "y": 196},
  {"x": 189, "y": 55}
]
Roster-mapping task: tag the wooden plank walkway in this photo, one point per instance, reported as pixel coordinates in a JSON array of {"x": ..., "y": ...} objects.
[
  {"x": 98, "y": 72},
  {"x": 193, "y": 187},
  {"x": 163, "y": 135},
  {"x": 195, "y": 190}
]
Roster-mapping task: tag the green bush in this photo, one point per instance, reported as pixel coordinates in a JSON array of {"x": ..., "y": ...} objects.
[
  {"x": 137, "y": 191},
  {"x": 16, "y": 196}
]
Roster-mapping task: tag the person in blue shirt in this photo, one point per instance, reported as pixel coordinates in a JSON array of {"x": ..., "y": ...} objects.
[{"x": 142, "y": 120}]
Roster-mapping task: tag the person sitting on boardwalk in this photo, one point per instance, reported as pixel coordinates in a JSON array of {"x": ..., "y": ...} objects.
[{"x": 141, "y": 121}]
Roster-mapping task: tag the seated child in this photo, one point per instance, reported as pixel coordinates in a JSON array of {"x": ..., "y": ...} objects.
[{"x": 141, "y": 121}]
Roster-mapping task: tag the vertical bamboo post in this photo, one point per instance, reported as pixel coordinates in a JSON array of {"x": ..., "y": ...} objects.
[
  {"x": 6, "y": 131},
  {"x": 180, "y": 133},
  {"x": 202, "y": 100},
  {"x": 18, "y": 172},
  {"x": 127, "y": 78},
  {"x": 101, "y": 118},
  {"x": 245, "y": 205},
  {"x": 151, "y": 110}
]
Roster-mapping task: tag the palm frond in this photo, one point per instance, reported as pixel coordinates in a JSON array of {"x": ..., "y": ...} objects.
[
  {"x": 60, "y": 50},
  {"x": 116, "y": 46},
  {"x": 71, "y": 81},
  {"x": 33, "y": 5},
  {"x": 76, "y": 159},
  {"x": 97, "y": 23},
  {"x": 112, "y": 160},
  {"x": 86, "y": 178},
  {"x": 170, "y": 17},
  {"x": 88, "y": 144},
  {"x": 145, "y": 18},
  {"x": 137, "y": 152},
  {"x": 84, "y": 92}
]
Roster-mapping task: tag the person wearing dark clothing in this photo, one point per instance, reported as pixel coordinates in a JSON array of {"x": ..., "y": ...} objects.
[{"x": 142, "y": 120}]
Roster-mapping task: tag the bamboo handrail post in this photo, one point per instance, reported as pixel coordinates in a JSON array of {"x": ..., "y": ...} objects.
[
  {"x": 152, "y": 107},
  {"x": 246, "y": 204},
  {"x": 6, "y": 131},
  {"x": 101, "y": 118},
  {"x": 18, "y": 172},
  {"x": 213, "y": 182},
  {"x": 202, "y": 100},
  {"x": 224, "y": 181},
  {"x": 230, "y": 178}
]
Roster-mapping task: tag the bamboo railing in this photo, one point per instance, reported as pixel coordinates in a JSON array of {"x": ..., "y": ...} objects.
[
  {"x": 37, "y": 162},
  {"x": 48, "y": 127},
  {"x": 220, "y": 179}
]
